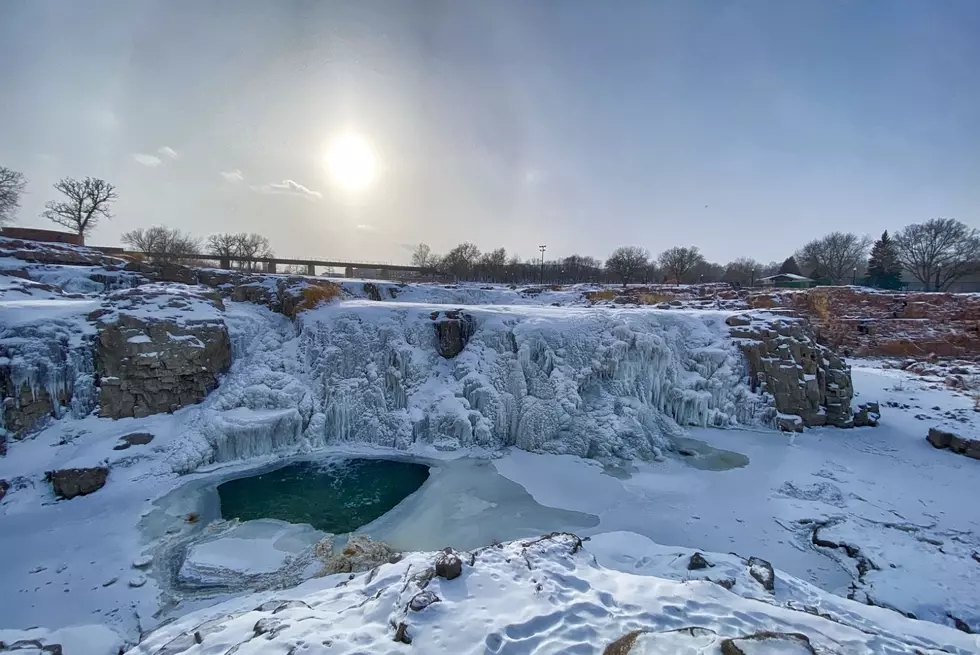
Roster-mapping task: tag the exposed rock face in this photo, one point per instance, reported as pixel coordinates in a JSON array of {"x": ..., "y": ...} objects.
[
  {"x": 372, "y": 292},
  {"x": 4, "y": 485},
  {"x": 360, "y": 554},
  {"x": 151, "y": 361},
  {"x": 453, "y": 331},
  {"x": 26, "y": 410},
  {"x": 804, "y": 378},
  {"x": 959, "y": 445},
  {"x": 69, "y": 483}
]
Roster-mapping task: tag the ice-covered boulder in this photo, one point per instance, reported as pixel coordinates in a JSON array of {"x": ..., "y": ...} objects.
[
  {"x": 251, "y": 555},
  {"x": 802, "y": 377},
  {"x": 159, "y": 348}
]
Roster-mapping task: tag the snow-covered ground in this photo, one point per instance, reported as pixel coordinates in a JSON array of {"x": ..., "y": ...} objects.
[{"x": 875, "y": 514}]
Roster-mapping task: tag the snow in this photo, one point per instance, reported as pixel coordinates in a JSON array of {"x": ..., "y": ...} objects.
[
  {"x": 358, "y": 377},
  {"x": 537, "y": 596}
]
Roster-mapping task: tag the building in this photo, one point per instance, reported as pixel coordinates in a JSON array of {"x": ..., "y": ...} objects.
[{"x": 788, "y": 280}]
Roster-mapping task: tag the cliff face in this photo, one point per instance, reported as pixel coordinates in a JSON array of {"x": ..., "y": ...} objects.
[{"x": 808, "y": 384}]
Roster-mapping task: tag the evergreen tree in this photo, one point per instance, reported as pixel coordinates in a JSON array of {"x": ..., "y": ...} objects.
[
  {"x": 884, "y": 269},
  {"x": 790, "y": 267}
]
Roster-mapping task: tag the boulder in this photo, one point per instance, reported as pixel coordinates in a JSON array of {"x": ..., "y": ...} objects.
[
  {"x": 697, "y": 562},
  {"x": 940, "y": 438},
  {"x": 763, "y": 573},
  {"x": 69, "y": 483},
  {"x": 135, "y": 439},
  {"x": 448, "y": 564},
  {"x": 4, "y": 485},
  {"x": 867, "y": 415},
  {"x": 453, "y": 331},
  {"x": 789, "y": 423},
  {"x": 786, "y": 643},
  {"x": 422, "y": 600}
]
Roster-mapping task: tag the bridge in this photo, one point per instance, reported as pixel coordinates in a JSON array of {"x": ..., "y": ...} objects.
[{"x": 270, "y": 264}]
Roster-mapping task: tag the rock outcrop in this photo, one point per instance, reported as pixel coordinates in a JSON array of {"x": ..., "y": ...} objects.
[
  {"x": 453, "y": 331},
  {"x": 69, "y": 483},
  {"x": 158, "y": 349},
  {"x": 947, "y": 440},
  {"x": 785, "y": 361},
  {"x": 361, "y": 553}
]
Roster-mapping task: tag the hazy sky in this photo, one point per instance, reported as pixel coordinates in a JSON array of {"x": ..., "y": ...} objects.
[{"x": 743, "y": 127}]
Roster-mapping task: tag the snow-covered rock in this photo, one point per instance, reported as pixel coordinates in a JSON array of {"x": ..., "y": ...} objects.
[{"x": 546, "y": 595}]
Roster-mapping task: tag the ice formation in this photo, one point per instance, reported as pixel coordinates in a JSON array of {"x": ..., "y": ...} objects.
[{"x": 595, "y": 383}]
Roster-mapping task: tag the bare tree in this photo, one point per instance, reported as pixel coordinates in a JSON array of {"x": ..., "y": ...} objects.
[
  {"x": 226, "y": 245},
  {"x": 163, "y": 243},
  {"x": 493, "y": 263},
  {"x": 422, "y": 256},
  {"x": 460, "y": 260},
  {"x": 938, "y": 252},
  {"x": 678, "y": 261},
  {"x": 626, "y": 262},
  {"x": 742, "y": 271},
  {"x": 839, "y": 256},
  {"x": 12, "y": 185},
  {"x": 253, "y": 245},
  {"x": 87, "y": 202},
  {"x": 223, "y": 245},
  {"x": 581, "y": 268}
]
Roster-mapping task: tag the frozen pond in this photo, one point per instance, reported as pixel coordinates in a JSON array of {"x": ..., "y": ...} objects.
[{"x": 336, "y": 496}]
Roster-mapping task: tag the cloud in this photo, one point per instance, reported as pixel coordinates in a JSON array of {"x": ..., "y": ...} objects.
[
  {"x": 151, "y": 161},
  {"x": 233, "y": 176},
  {"x": 368, "y": 228},
  {"x": 289, "y": 188},
  {"x": 167, "y": 151}
]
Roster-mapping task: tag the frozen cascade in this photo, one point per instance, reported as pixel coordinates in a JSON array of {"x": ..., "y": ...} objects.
[
  {"x": 594, "y": 383},
  {"x": 609, "y": 383},
  {"x": 54, "y": 356}
]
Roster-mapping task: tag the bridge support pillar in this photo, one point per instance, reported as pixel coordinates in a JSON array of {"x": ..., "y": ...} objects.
[
  {"x": 349, "y": 271},
  {"x": 270, "y": 267},
  {"x": 225, "y": 263},
  {"x": 310, "y": 269}
]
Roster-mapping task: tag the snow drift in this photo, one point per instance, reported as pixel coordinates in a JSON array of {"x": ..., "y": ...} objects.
[{"x": 548, "y": 595}]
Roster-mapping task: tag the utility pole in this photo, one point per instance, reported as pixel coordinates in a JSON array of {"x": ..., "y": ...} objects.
[{"x": 542, "y": 249}]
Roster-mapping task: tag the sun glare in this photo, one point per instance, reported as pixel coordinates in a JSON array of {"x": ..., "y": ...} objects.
[{"x": 351, "y": 162}]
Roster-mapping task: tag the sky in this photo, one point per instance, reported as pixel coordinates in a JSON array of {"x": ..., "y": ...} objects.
[{"x": 743, "y": 127}]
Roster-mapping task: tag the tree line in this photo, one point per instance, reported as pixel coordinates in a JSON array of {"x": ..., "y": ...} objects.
[{"x": 936, "y": 253}]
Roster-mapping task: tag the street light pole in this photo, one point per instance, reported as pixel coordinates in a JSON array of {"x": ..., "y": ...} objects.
[
  {"x": 542, "y": 249},
  {"x": 854, "y": 280}
]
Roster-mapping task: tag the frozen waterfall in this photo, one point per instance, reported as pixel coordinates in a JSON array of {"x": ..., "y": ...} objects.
[{"x": 595, "y": 383}]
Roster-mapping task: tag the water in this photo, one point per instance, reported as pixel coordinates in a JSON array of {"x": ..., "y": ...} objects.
[{"x": 336, "y": 497}]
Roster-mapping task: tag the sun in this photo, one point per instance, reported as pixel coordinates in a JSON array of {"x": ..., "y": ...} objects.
[{"x": 351, "y": 162}]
